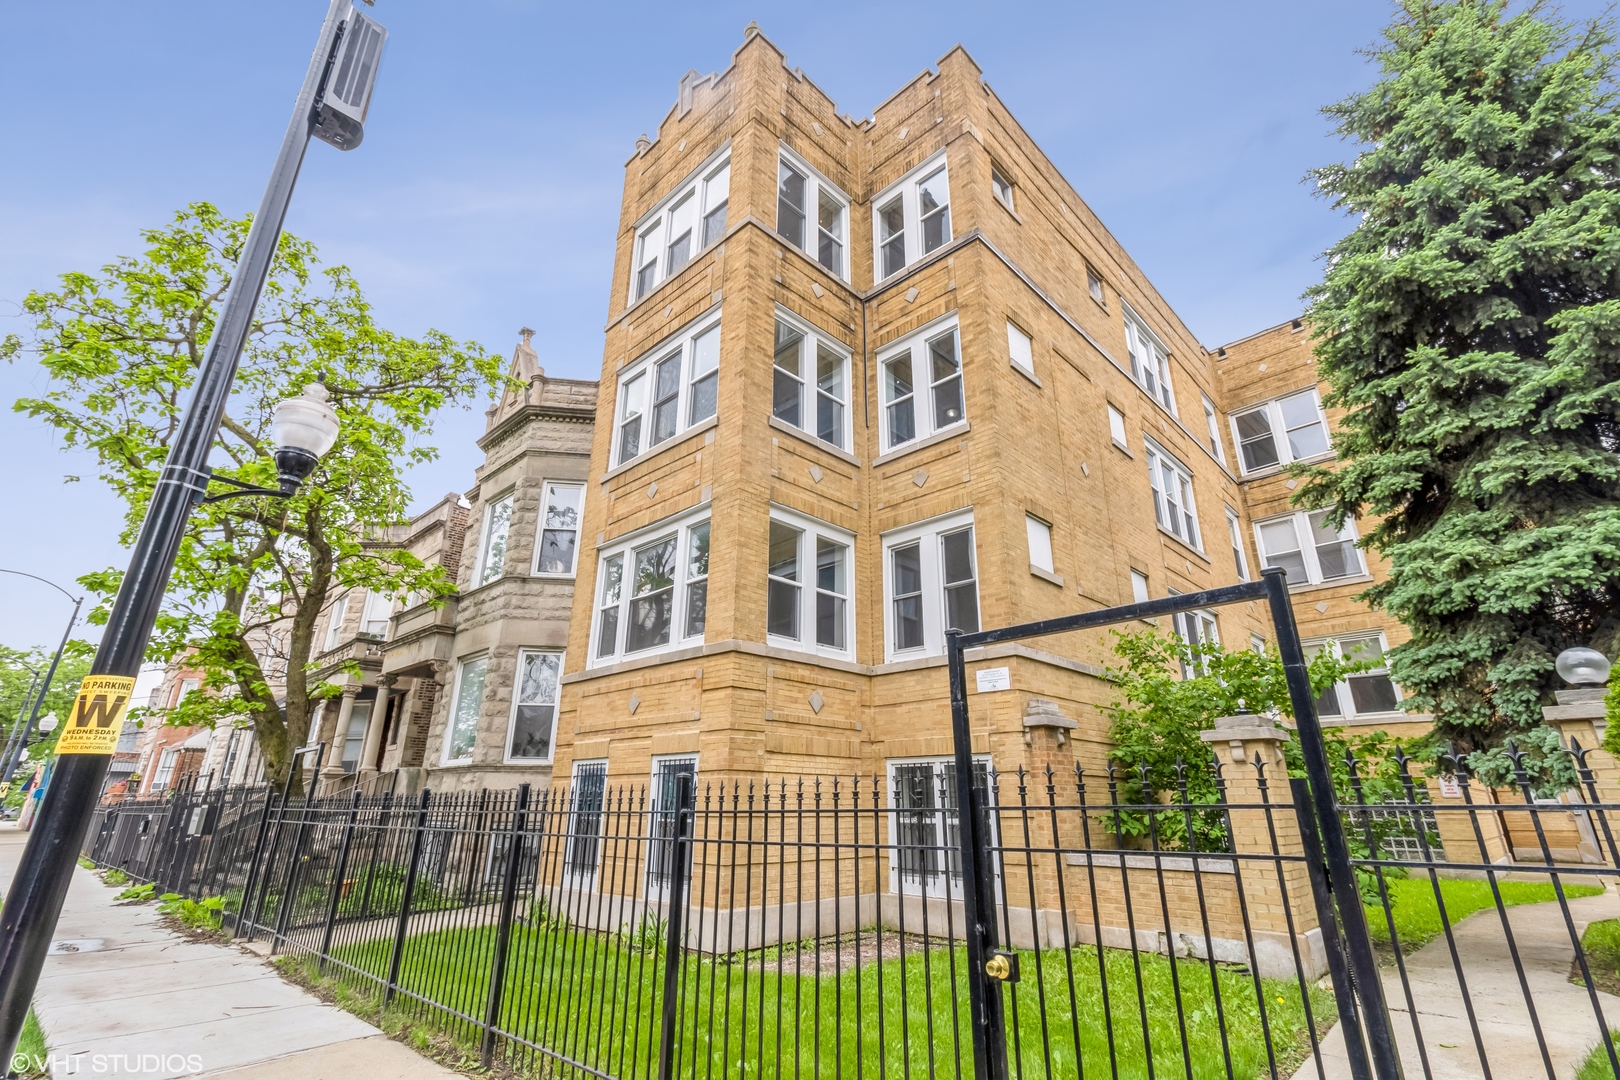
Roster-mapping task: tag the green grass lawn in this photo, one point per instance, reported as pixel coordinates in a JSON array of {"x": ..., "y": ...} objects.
[
  {"x": 1417, "y": 916},
  {"x": 595, "y": 998},
  {"x": 29, "y": 1059}
]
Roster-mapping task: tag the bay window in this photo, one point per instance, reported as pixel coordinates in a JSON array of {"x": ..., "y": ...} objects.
[
  {"x": 812, "y": 214},
  {"x": 921, "y": 386},
  {"x": 558, "y": 550},
  {"x": 652, "y": 390},
  {"x": 1150, "y": 360},
  {"x": 462, "y": 731},
  {"x": 1277, "y": 432},
  {"x": 652, "y": 590},
  {"x": 930, "y": 584},
  {"x": 1324, "y": 554},
  {"x": 533, "y": 727},
  {"x": 683, "y": 224},
  {"x": 810, "y": 388},
  {"x": 497, "y": 527},
  {"x": 913, "y": 217},
  {"x": 808, "y": 585},
  {"x": 1173, "y": 505},
  {"x": 1364, "y": 692}
]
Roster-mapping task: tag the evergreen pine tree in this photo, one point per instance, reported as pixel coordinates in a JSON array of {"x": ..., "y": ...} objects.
[{"x": 1470, "y": 326}]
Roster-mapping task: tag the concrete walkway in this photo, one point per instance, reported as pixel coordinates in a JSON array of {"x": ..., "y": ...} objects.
[
  {"x": 1568, "y": 1024},
  {"x": 137, "y": 1000}
]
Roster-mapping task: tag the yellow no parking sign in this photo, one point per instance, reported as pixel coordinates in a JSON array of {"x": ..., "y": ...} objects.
[{"x": 98, "y": 715}]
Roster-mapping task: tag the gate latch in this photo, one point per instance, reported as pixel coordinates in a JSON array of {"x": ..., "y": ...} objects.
[{"x": 1003, "y": 966}]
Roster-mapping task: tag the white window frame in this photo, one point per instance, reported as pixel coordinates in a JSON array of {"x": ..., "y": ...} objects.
[
  {"x": 507, "y": 756},
  {"x": 1301, "y": 523},
  {"x": 681, "y": 528},
  {"x": 810, "y": 390},
  {"x": 658, "y": 890},
  {"x": 1116, "y": 429},
  {"x": 929, "y": 536},
  {"x": 942, "y": 883},
  {"x": 572, "y": 870},
  {"x": 1196, "y": 627},
  {"x": 1167, "y": 501},
  {"x": 1139, "y": 588},
  {"x": 1272, "y": 410},
  {"x": 1150, "y": 360},
  {"x": 1234, "y": 527},
  {"x": 455, "y": 706},
  {"x": 1094, "y": 287},
  {"x": 540, "y": 528},
  {"x": 810, "y": 531},
  {"x": 1212, "y": 421},
  {"x": 652, "y": 231},
  {"x": 164, "y": 772},
  {"x": 1342, "y": 691},
  {"x": 906, "y": 189},
  {"x": 815, "y": 185},
  {"x": 488, "y": 569},
  {"x": 334, "y": 625},
  {"x": 1038, "y": 531},
  {"x": 1001, "y": 185},
  {"x": 1020, "y": 348},
  {"x": 376, "y": 605},
  {"x": 924, "y": 388},
  {"x": 636, "y": 386}
]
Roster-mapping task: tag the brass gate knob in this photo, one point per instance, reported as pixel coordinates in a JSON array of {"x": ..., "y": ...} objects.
[{"x": 998, "y": 967}]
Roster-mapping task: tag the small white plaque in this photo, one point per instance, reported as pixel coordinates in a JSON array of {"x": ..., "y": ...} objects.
[
  {"x": 993, "y": 679},
  {"x": 1449, "y": 788}
]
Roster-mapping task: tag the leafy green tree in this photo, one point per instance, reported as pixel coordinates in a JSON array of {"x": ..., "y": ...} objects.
[
  {"x": 15, "y": 680},
  {"x": 123, "y": 348},
  {"x": 1469, "y": 326}
]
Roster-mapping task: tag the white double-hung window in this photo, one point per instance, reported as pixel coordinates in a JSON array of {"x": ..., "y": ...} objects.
[
  {"x": 1277, "y": 432},
  {"x": 930, "y": 585},
  {"x": 1173, "y": 505},
  {"x": 812, "y": 214},
  {"x": 913, "y": 217},
  {"x": 532, "y": 731},
  {"x": 809, "y": 602},
  {"x": 1150, "y": 360},
  {"x": 557, "y": 553},
  {"x": 1368, "y": 691},
  {"x": 497, "y": 528},
  {"x": 667, "y": 391},
  {"x": 1307, "y": 548},
  {"x": 652, "y": 589},
  {"x": 374, "y": 618},
  {"x": 921, "y": 384},
  {"x": 681, "y": 225},
  {"x": 810, "y": 387},
  {"x": 461, "y": 733}
]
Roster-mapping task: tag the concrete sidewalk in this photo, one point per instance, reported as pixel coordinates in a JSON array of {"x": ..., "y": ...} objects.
[{"x": 123, "y": 997}]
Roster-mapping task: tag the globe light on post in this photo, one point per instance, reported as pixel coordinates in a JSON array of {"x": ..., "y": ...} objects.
[
  {"x": 302, "y": 430},
  {"x": 1581, "y": 666},
  {"x": 47, "y": 723}
]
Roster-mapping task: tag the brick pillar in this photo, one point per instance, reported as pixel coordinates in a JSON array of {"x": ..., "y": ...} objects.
[
  {"x": 1240, "y": 743},
  {"x": 1456, "y": 827}
]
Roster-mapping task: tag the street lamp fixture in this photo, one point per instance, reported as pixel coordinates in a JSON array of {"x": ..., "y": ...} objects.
[
  {"x": 1581, "y": 666},
  {"x": 47, "y": 723},
  {"x": 302, "y": 429}
]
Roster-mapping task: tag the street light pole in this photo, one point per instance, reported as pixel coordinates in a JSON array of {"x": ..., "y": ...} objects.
[
  {"x": 84, "y": 750},
  {"x": 16, "y": 746},
  {"x": 22, "y": 713}
]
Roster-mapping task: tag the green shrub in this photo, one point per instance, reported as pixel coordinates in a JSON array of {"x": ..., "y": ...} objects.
[
  {"x": 86, "y": 863},
  {"x": 196, "y": 914},
  {"x": 139, "y": 893},
  {"x": 114, "y": 876}
]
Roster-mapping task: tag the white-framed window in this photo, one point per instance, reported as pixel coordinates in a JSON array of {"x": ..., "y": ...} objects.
[
  {"x": 912, "y": 217},
  {"x": 1002, "y": 186},
  {"x": 1257, "y": 644},
  {"x": 1328, "y": 555},
  {"x": 187, "y": 685},
  {"x": 662, "y": 820},
  {"x": 532, "y": 730},
  {"x": 667, "y": 391},
  {"x": 930, "y": 584},
  {"x": 926, "y": 827},
  {"x": 165, "y": 769},
  {"x": 1364, "y": 693},
  {"x": 587, "y": 808},
  {"x": 461, "y": 732},
  {"x": 354, "y": 739},
  {"x": 334, "y": 624},
  {"x": 1198, "y": 629},
  {"x": 812, "y": 214},
  {"x": 1214, "y": 426},
  {"x": 1094, "y": 286},
  {"x": 1040, "y": 542},
  {"x": 1116, "y": 428},
  {"x": 557, "y": 551},
  {"x": 497, "y": 529},
  {"x": 684, "y": 223},
  {"x": 811, "y": 381},
  {"x": 1020, "y": 349},
  {"x": 1150, "y": 360},
  {"x": 921, "y": 379},
  {"x": 1274, "y": 433},
  {"x": 378, "y": 610},
  {"x": 1173, "y": 505},
  {"x": 1234, "y": 530},
  {"x": 653, "y": 589},
  {"x": 1139, "y": 587},
  {"x": 809, "y": 601}
]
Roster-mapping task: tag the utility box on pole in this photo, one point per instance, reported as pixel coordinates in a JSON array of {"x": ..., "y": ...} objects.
[{"x": 343, "y": 105}]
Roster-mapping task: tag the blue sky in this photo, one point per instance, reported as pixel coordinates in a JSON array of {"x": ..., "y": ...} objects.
[{"x": 486, "y": 195}]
